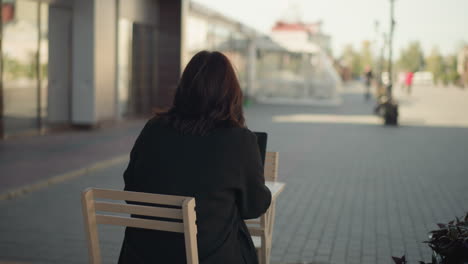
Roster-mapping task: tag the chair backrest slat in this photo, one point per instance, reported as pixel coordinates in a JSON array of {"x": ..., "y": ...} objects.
[
  {"x": 139, "y": 210},
  {"x": 186, "y": 213},
  {"x": 139, "y": 197},
  {"x": 256, "y": 231},
  {"x": 140, "y": 223}
]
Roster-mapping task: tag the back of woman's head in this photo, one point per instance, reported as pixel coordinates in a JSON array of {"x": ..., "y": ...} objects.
[{"x": 208, "y": 96}]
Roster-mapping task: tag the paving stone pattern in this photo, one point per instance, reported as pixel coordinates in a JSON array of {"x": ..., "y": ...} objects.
[{"x": 356, "y": 193}]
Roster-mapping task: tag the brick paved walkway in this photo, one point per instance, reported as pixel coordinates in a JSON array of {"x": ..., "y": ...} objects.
[
  {"x": 357, "y": 192},
  {"x": 28, "y": 160}
]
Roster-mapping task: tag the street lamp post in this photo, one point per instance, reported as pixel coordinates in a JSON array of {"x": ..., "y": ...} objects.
[
  {"x": 389, "y": 106},
  {"x": 380, "y": 50},
  {"x": 382, "y": 58},
  {"x": 390, "y": 49}
]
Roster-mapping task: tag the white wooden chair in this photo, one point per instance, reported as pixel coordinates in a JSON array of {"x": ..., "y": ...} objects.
[
  {"x": 261, "y": 228},
  {"x": 91, "y": 218}
]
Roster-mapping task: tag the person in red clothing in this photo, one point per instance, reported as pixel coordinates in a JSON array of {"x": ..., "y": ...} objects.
[{"x": 409, "y": 81}]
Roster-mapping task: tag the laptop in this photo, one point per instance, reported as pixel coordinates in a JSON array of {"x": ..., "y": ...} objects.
[{"x": 262, "y": 138}]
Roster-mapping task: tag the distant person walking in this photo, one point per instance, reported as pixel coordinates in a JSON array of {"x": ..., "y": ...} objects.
[
  {"x": 409, "y": 81},
  {"x": 368, "y": 76}
]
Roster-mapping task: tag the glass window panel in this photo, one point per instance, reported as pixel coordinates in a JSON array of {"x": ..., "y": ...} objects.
[
  {"x": 44, "y": 57},
  {"x": 20, "y": 40},
  {"x": 124, "y": 63}
]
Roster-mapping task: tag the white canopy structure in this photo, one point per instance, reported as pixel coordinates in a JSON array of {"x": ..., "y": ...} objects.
[{"x": 289, "y": 65}]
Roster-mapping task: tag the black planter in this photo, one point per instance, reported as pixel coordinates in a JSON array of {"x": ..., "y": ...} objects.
[{"x": 388, "y": 110}]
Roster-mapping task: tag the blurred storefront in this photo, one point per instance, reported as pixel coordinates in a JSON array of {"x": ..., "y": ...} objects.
[
  {"x": 82, "y": 62},
  {"x": 24, "y": 64},
  {"x": 275, "y": 67},
  {"x": 306, "y": 74},
  {"x": 210, "y": 30}
]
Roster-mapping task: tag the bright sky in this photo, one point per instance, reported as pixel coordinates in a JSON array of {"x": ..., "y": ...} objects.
[{"x": 442, "y": 23}]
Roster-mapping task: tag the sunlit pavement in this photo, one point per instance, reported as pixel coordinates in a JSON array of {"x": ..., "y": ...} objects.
[{"x": 357, "y": 192}]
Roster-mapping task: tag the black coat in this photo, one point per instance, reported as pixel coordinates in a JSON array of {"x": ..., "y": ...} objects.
[{"x": 222, "y": 170}]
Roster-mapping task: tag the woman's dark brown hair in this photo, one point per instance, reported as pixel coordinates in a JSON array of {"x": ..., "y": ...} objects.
[{"x": 208, "y": 96}]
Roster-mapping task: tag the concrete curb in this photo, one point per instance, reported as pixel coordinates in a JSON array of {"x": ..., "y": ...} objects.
[{"x": 17, "y": 192}]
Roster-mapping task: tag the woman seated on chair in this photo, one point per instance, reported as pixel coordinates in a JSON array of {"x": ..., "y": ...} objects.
[{"x": 201, "y": 148}]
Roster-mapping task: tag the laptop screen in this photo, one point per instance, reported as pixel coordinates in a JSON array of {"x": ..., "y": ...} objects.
[{"x": 262, "y": 143}]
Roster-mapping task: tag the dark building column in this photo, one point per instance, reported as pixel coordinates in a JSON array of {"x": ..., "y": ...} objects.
[{"x": 169, "y": 50}]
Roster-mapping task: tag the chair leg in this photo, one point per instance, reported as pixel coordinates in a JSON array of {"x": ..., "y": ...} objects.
[
  {"x": 264, "y": 259},
  {"x": 267, "y": 249},
  {"x": 259, "y": 255}
]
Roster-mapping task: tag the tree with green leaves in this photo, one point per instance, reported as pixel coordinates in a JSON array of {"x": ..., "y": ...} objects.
[
  {"x": 411, "y": 58},
  {"x": 451, "y": 74},
  {"x": 358, "y": 60},
  {"x": 435, "y": 64},
  {"x": 352, "y": 59},
  {"x": 366, "y": 55},
  {"x": 444, "y": 69}
]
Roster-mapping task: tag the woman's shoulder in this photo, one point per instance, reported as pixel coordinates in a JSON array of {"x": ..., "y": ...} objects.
[
  {"x": 248, "y": 134},
  {"x": 239, "y": 136},
  {"x": 157, "y": 122},
  {"x": 152, "y": 127},
  {"x": 154, "y": 121}
]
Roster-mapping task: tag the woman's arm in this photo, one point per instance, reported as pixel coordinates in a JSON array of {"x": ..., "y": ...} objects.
[{"x": 255, "y": 197}]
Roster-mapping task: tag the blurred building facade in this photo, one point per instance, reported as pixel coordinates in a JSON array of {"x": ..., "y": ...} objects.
[
  {"x": 304, "y": 35},
  {"x": 82, "y": 62},
  {"x": 310, "y": 75},
  {"x": 283, "y": 66},
  {"x": 207, "y": 29}
]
